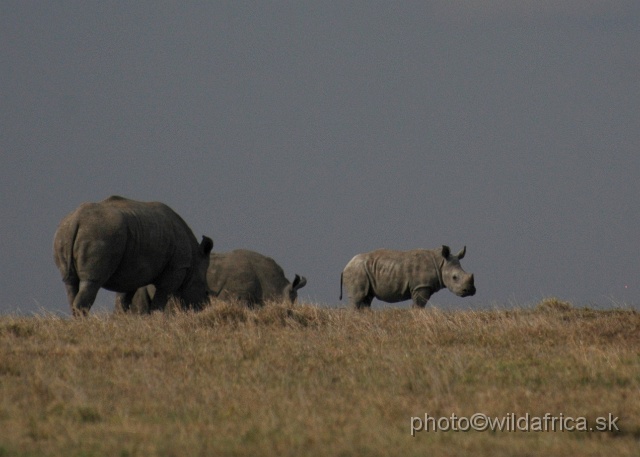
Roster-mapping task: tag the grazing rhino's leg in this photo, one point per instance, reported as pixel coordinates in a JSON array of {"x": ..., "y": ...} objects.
[
  {"x": 120, "y": 306},
  {"x": 85, "y": 297},
  {"x": 420, "y": 296}
]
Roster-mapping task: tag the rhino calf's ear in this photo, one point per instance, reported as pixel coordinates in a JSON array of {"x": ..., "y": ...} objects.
[
  {"x": 462, "y": 253},
  {"x": 206, "y": 245},
  {"x": 446, "y": 251}
]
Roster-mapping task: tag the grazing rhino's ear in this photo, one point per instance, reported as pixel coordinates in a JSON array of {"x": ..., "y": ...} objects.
[
  {"x": 445, "y": 251},
  {"x": 462, "y": 253},
  {"x": 298, "y": 282},
  {"x": 206, "y": 245}
]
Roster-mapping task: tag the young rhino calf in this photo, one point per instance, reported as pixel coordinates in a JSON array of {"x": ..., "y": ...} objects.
[
  {"x": 250, "y": 278},
  {"x": 394, "y": 276},
  {"x": 241, "y": 276}
]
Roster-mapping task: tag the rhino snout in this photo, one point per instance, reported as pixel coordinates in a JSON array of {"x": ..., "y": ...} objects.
[{"x": 469, "y": 289}]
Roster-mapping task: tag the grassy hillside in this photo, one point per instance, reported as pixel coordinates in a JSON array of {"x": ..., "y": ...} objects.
[{"x": 312, "y": 381}]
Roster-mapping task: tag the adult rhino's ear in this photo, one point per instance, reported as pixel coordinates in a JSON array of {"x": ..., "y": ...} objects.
[
  {"x": 298, "y": 282},
  {"x": 462, "y": 253},
  {"x": 446, "y": 251},
  {"x": 206, "y": 245}
]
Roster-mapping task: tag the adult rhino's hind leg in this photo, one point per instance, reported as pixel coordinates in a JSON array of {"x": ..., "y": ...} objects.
[
  {"x": 85, "y": 297},
  {"x": 72, "y": 291}
]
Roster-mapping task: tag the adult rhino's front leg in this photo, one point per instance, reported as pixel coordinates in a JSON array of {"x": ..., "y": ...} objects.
[
  {"x": 420, "y": 296},
  {"x": 159, "y": 301},
  {"x": 123, "y": 302},
  {"x": 165, "y": 287}
]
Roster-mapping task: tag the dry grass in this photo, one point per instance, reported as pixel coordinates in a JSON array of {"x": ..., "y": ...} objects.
[{"x": 311, "y": 381}]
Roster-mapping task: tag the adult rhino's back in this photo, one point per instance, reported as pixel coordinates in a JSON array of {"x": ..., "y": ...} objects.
[{"x": 122, "y": 244}]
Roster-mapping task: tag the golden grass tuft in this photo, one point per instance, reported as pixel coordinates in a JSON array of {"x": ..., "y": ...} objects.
[
  {"x": 553, "y": 304},
  {"x": 305, "y": 380}
]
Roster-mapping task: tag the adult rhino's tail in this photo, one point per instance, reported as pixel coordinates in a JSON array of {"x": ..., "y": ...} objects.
[{"x": 341, "y": 285}]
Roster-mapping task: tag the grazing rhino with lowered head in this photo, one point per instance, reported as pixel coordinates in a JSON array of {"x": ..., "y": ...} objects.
[
  {"x": 241, "y": 276},
  {"x": 250, "y": 278},
  {"x": 394, "y": 276},
  {"x": 121, "y": 245}
]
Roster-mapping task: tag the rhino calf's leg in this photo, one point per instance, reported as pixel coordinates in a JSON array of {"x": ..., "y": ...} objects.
[
  {"x": 85, "y": 297},
  {"x": 363, "y": 303},
  {"x": 420, "y": 297},
  {"x": 358, "y": 289}
]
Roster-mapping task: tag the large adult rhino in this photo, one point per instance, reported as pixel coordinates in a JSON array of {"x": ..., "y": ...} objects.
[
  {"x": 239, "y": 276},
  {"x": 250, "y": 278},
  {"x": 394, "y": 276},
  {"x": 121, "y": 245}
]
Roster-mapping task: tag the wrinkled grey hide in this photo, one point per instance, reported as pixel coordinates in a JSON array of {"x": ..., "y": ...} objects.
[
  {"x": 121, "y": 245},
  {"x": 394, "y": 276},
  {"x": 250, "y": 278},
  {"x": 240, "y": 276}
]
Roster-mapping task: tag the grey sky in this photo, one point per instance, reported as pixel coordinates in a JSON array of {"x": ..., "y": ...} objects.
[{"x": 312, "y": 131}]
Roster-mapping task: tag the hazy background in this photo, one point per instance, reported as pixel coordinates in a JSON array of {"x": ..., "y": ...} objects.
[{"x": 312, "y": 131}]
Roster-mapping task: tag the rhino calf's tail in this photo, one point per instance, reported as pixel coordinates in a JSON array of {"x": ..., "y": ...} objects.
[{"x": 340, "y": 286}]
